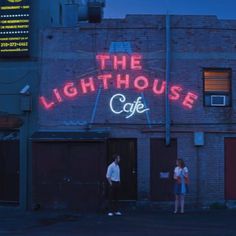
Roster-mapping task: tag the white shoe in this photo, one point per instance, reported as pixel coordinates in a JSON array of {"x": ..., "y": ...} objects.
[
  {"x": 117, "y": 213},
  {"x": 110, "y": 214}
]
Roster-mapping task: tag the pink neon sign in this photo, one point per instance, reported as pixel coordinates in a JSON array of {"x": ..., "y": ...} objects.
[{"x": 121, "y": 80}]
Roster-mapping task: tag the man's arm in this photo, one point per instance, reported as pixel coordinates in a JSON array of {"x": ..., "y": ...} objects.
[
  {"x": 108, "y": 175},
  {"x": 109, "y": 181},
  {"x": 175, "y": 174}
]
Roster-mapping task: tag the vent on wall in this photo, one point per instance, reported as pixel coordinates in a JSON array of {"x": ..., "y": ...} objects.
[{"x": 218, "y": 100}]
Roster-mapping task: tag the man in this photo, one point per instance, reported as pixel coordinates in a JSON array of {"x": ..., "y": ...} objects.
[{"x": 113, "y": 178}]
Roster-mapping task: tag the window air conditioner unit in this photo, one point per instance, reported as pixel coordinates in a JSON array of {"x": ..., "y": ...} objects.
[{"x": 218, "y": 100}]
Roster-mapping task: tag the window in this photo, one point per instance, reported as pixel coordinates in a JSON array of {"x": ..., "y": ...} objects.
[{"x": 217, "y": 87}]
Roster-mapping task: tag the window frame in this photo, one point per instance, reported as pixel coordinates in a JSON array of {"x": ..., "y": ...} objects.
[{"x": 229, "y": 94}]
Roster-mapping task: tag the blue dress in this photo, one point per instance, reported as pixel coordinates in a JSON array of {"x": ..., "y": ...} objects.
[{"x": 181, "y": 187}]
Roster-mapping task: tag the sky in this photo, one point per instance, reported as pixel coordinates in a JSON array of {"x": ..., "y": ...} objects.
[{"x": 223, "y": 9}]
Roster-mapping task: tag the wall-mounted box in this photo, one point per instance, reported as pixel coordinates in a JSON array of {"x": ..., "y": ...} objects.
[{"x": 198, "y": 138}]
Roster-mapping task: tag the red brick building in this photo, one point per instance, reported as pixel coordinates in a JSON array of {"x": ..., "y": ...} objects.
[{"x": 152, "y": 88}]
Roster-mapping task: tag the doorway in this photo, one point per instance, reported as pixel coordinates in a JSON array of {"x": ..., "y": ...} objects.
[
  {"x": 163, "y": 159},
  {"x": 230, "y": 166},
  {"x": 69, "y": 175},
  {"x": 9, "y": 171},
  {"x": 127, "y": 149}
]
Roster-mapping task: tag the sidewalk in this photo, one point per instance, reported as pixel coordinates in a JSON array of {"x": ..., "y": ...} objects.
[{"x": 136, "y": 222}]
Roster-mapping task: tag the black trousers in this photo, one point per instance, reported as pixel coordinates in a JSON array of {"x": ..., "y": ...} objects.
[{"x": 113, "y": 194}]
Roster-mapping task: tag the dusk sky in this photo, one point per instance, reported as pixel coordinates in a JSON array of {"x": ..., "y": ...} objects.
[{"x": 224, "y": 9}]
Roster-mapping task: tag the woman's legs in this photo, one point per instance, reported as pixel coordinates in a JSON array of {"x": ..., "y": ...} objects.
[
  {"x": 176, "y": 203},
  {"x": 182, "y": 203}
]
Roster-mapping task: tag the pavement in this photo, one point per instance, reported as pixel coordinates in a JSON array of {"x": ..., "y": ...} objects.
[{"x": 133, "y": 222}]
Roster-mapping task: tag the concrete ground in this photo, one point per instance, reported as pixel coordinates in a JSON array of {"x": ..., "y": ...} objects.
[{"x": 135, "y": 222}]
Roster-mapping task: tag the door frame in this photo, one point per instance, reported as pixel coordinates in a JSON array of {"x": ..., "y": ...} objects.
[{"x": 135, "y": 141}]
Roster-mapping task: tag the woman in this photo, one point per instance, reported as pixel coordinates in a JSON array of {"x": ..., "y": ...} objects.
[{"x": 181, "y": 184}]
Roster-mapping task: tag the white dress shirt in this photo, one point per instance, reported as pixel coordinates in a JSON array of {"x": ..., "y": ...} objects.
[
  {"x": 178, "y": 171},
  {"x": 113, "y": 172}
]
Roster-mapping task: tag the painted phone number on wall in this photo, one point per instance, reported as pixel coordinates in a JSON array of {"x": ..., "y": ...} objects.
[{"x": 15, "y": 44}]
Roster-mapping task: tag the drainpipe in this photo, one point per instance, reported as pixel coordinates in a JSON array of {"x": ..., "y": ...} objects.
[
  {"x": 167, "y": 102},
  {"x": 25, "y": 161},
  {"x": 23, "y": 194}
]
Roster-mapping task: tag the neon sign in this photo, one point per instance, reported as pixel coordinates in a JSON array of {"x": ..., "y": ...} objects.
[
  {"x": 117, "y": 62},
  {"x": 120, "y": 78},
  {"x": 129, "y": 108}
]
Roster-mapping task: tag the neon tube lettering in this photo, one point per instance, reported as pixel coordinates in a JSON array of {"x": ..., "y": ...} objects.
[
  {"x": 122, "y": 62},
  {"x": 102, "y": 58},
  {"x": 189, "y": 100},
  {"x": 105, "y": 79},
  {"x": 175, "y": 93},
  {"x": 130, "y": 108},
  {"x": 144, "y": 82},
  {"x": 69, "y": 90},
  {"x": 120, "y": 81},
  {"x": 57, "y": 95},
  {"x": 136, "y": 62},
  {"x": 119, "y": 62},
  {"x": 156, "y": 90},
  {"x": 87, "y": 85},
  {"x": 47, "y": 105}
]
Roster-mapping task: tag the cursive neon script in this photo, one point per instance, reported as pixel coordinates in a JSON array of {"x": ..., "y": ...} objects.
[{"x": 127, "y": 107}]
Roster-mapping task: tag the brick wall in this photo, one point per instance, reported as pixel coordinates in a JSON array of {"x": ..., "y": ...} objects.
[{"x": 69, "y": 55}]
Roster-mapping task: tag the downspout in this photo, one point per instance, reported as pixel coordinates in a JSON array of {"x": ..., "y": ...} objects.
[{"x": 167, "y": 102}]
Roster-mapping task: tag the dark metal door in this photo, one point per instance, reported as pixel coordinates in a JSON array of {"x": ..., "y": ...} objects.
[
  {"x": 69, "y": 175},
  {"x": 163, "y": 160},
  {"x": 86, "y": 173},
  {"x": 49, "y": 170},
  {"x": 230, "y": 167},
  {"x": 9, "y": 171},
  {"x": 127, "y": 149}
]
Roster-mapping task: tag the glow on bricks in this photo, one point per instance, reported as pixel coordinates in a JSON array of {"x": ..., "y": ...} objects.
[{"x": 120, "y": 76}]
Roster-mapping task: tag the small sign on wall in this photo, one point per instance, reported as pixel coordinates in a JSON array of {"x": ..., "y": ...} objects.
[
  {"x": 198, "y": 138},
  {"x": 164, "y": 175}
]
